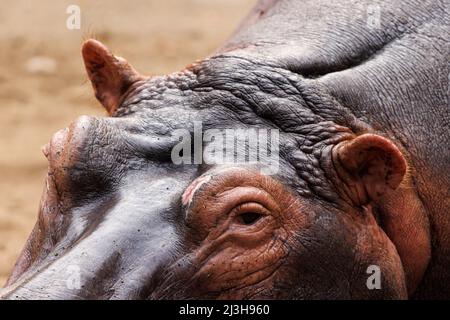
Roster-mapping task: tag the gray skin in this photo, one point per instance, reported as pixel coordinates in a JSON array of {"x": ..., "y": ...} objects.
[{"x": 312, "y": 69}]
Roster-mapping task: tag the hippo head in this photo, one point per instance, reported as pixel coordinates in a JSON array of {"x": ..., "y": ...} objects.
[{"x": 142, "y": 204}]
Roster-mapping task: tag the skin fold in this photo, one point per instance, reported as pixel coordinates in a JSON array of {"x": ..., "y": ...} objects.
[{"x": 363, "y": 180}]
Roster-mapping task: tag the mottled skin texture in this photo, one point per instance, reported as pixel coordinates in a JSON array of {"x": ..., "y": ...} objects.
[{"x": 363, "y": 116}]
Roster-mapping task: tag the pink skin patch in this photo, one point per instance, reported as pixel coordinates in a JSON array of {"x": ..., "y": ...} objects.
[{"x": 188, "y": 194}]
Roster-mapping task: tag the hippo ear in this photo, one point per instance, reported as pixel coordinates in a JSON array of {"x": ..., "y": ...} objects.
[
  {"x": 111, "y": 76},
  {"x": 370, "y": 165}
]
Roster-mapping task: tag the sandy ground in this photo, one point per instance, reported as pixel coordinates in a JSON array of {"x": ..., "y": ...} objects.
[{"x": 43, "y": 86}]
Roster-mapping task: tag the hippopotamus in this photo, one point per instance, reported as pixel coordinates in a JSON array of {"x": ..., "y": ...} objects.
[{"x": 357, "y": 206}]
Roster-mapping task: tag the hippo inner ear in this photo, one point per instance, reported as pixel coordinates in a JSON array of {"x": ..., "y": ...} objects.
[
  {"x": 370, "y": 165},
  {"x": 111, "y": 76}
]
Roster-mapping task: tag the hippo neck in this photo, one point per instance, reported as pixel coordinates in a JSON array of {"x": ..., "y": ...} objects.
[{"x": 314, "y": 38}]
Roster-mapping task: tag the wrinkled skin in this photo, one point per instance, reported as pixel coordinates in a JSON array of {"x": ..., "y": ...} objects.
[{"x": 363, "y": 117}]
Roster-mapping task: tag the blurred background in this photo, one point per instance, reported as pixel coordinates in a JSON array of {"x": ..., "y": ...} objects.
[{"x": 43, "y": 86}]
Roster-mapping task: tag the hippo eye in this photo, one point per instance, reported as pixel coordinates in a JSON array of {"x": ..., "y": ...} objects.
[
  {"x": 249, "y": 213},
  {"x": 249, "y": 217}
]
